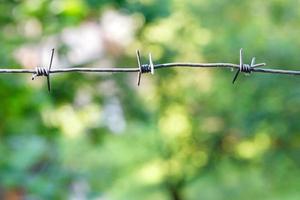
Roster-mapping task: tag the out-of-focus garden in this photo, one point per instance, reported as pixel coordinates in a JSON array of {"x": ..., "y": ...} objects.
[{"x": 183, "y": 134}]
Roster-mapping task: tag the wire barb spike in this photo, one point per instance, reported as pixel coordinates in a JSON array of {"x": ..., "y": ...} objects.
[
  {"x": 240, "y": 66},
  {"x": 49, "y": 70},
  {"x": 138, "y": 56},
  {"x": 253, "y": 62},
  {"x": 151, "y": 64}
]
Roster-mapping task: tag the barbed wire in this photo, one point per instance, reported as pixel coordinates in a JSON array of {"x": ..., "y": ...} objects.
[{"x": 150, "y": 68}]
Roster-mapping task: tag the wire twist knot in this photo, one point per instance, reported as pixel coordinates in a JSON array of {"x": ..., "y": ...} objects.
[
  {"x": 146, "y": 68},
  {"x": 40, "y": 71},
  {"x": 246, "y": 68}
]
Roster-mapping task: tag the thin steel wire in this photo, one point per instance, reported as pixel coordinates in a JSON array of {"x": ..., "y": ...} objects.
[
  {"x": 156, "y": 66},
  {"x": 147, "y": 68}
]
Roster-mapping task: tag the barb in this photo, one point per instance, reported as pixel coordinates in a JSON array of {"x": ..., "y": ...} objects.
[
  {"x": 144, "y": 68},
  {"x": 41, "y": 71},
  {"x": 244, "y": 67},
  {"x": 150, "y": 68}
]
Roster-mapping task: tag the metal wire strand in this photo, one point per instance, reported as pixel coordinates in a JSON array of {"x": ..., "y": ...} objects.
[{"x": 150, "y": 68}]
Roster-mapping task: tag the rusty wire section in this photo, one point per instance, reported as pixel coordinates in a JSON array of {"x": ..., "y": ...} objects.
[{"x": 150, "y": 68}]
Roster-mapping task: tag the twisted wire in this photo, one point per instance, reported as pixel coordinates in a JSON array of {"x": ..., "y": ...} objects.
[
  {"x": 146, "y": 68},
  {"x": 40, "y": 71}
]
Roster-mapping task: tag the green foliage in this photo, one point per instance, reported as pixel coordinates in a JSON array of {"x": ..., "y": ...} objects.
[{"x": 183, "y": 134}]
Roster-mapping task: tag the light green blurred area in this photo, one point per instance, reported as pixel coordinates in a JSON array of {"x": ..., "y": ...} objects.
[{"x": 183, "y": 134}]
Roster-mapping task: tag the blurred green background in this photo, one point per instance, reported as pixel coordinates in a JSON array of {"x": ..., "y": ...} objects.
[{"x": 183, "y": 134}]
